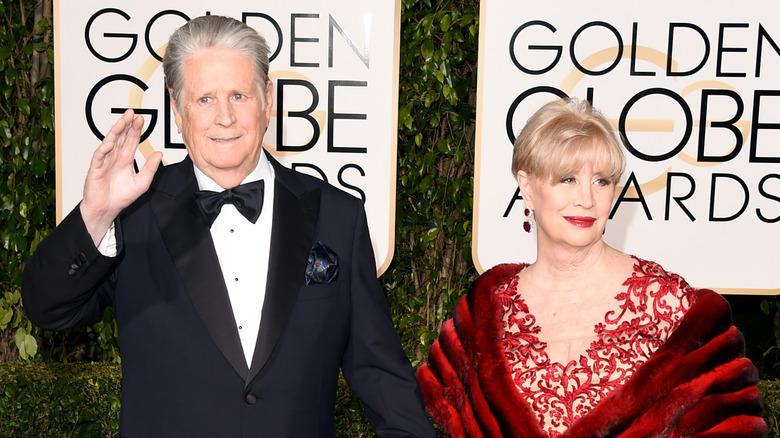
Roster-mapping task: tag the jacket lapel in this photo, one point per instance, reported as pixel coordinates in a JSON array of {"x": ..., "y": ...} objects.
[
  {"x": 189, "y": 243},
  {"x": 296, "y": 212}
]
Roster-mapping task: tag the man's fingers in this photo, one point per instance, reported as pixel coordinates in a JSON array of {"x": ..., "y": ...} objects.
[
  {"x": 130, "y": 130},
  {"x": 114, "y": 135},
  {"x": 120, "y": 127},
  {"x": 133, "y": 131},
  {"x": 121, "y": 141},
  {"x": 146, "y": 173},
  {"x": 99, "y": 156},
  {"x": 122, "y": 132}
]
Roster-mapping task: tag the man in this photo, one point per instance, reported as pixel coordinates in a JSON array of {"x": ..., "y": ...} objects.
[{"x": 237, "y": 327}]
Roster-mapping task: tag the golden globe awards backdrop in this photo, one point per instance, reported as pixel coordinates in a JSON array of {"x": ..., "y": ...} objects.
[
  {"x": 693, "y": 89},
  {"x": 335, "y": 72}
]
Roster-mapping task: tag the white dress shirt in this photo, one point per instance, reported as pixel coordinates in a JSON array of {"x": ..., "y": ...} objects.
[{"x": 243, "y": 250}]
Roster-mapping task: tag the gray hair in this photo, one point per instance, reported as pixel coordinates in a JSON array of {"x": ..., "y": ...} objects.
[{"x": 213, "y": 31}]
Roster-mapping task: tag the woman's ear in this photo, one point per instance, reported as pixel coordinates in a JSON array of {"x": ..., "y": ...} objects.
[{"x": 524, "y": 182}]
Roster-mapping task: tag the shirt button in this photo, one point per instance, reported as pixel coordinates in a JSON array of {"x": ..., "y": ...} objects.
[{"x": 251, "y": 399}]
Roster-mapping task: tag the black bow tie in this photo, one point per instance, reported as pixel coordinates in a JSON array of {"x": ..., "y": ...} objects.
[{"x": 248, "y": 199}]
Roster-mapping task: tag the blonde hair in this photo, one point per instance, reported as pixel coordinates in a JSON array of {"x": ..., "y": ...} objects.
[{"x": 563, "y": 136}]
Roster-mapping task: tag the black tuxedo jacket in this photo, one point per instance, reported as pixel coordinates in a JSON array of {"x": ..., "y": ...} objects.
[{"x": 183, "y": 369}]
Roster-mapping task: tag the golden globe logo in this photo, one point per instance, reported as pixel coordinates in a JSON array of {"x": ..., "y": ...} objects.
[
  {"x": 696, "y": 102},
  {"x": 335, "y": 105},
  {"x": 594, "y": 74}
]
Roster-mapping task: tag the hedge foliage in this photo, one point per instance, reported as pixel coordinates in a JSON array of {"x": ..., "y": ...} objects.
[
  {"x": 770, "y": 390},
  {"x": 432, "y": 265},
  {"x": 52, "y": 400},
  {"x": 49, "y": 400},
  {"x": 27, "y": 184},
  {"x": 59, "y": 400},
  {"x": 26, "y": 160}
]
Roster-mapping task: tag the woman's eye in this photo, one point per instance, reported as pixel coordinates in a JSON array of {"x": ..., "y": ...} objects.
[{"x": 567, "y": 180}]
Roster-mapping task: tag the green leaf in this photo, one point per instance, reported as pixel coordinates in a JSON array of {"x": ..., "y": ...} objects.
[
  {"x": 6, "y": 314},
  {"x": 41, "y": 26},
  {"x": 24, "y": 106},
  {"x": 30, "y": 346},
  {"x": 445, "y": 23},
  {"x": 41, "y": 47},
  {"x": 25, "y": 343},
  {"x": 23, "y": 209},
  {"x": 427, "y": 50}
]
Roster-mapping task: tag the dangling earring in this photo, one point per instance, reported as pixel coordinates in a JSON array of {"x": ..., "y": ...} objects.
[{"x": 528, "y": 224}]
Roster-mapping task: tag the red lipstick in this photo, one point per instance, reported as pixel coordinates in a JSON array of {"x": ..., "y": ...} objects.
[{"x": 581, "y": 221}]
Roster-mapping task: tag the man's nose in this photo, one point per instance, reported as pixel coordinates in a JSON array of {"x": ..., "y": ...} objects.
[{"x": 225, "y": 115}]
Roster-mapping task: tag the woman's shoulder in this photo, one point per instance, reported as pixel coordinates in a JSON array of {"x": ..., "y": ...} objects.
[
  {"x": 497, "y": 275},
  {"x": 649, "y": 275},
  {"x": 481, "y": 292},
  {"x": 503, "y": 270},
  {"x": 653, "y": 269}
]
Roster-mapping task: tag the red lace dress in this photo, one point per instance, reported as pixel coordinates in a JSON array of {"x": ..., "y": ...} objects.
[{"x": 645, "y": 313}]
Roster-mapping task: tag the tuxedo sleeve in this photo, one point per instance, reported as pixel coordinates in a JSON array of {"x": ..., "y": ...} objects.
[
  {"x": 62, "y": 283},
  {"x": 374, "y": 363}
]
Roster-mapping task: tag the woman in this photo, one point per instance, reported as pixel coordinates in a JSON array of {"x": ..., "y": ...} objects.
[{"x": 587, "y": 340}]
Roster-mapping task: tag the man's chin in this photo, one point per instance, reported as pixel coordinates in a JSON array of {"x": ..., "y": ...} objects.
[{"x": 224, "y": 170}]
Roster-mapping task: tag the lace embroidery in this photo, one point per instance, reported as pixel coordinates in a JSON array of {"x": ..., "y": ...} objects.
[{"x": 648, "y": 311}]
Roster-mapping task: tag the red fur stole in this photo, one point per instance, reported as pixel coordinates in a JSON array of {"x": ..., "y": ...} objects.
[{"x": 697, "y": 384}]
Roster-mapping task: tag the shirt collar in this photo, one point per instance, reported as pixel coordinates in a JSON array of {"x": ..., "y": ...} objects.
[{"x": 263, "y": 170}]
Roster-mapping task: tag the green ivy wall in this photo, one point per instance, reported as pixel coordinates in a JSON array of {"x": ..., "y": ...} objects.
[{"x": 26, "y": 160}]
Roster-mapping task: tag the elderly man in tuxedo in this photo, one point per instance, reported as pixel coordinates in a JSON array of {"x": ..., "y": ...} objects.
[{"x": 240, "y": 287}]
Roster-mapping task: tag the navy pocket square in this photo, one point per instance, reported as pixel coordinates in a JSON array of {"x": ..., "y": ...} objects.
[{"x": 323, "y": 266}]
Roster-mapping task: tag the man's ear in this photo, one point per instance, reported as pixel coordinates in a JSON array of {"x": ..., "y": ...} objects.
[
  {"x": 269, "y": 98},
  {"x": 524, "y": 182},
  {"x": 176, "y": 113}
]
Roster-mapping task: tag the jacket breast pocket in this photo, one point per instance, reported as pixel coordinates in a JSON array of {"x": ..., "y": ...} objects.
[{"x": 315, "y": 292}]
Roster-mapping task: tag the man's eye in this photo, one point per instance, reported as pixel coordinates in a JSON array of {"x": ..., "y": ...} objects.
[
  {"x": 238, "y": 97},
  {"x": 204, "y": 100}
]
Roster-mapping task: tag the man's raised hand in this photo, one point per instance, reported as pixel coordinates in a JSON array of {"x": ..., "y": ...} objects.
[{"x": 112, "y": 183}]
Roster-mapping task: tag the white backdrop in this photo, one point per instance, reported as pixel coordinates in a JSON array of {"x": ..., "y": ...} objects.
[
  {"x": 335, "y": 72},
  {"x": 694, "y": 88}
]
